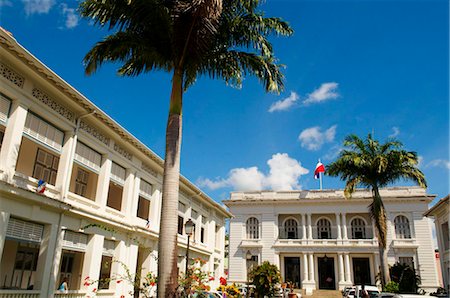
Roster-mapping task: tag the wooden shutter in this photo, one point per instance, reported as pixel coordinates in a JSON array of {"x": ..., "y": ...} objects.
[
  {"x": 88, "y": 156},
  {"x": 44, "y": 132},
  {"x": 118, "y": 173},
  {"x": 74, "y": 240},
  {"x": 145, "y": 189},
  {"x": 24, "y": 230},
  {"x": 5, "y": 105}
]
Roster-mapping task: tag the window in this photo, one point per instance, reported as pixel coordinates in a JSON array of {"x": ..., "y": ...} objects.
[
  {"x": 180, "y": 224},
  {"x": 324, "y": 229},
  {"x": 105, "y": 272},
  {"x": 88, "y": 157},
  {"x": 409, "y": 261},
  {"x": 116, "y": 187},
  {"x": 445, "y": 235},
  {"x": 2, "y": 135},
  {"x": 358, "y": 229},
  {"x": 145, "y": 194},
  {"x": 194, "y": 214},
  {"x": 290, "y": 229},
  {"x": 5, "y": 105},
  {"x": 202, "y": 235},
  {"x": 46, "y": 166},
  {"x": 43, "y": 131},
  {"x": 217, "y": 233},
  {"x": 252, "y": 228},
  {"x": 402, "y": 229},
  {"x": 81, "y": 182}
]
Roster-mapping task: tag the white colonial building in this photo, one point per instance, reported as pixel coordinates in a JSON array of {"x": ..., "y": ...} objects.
[
  {"x": 103, "y": 196},
  {"x": 441, "y": 214},
  {"x": 320, "y": 240}
]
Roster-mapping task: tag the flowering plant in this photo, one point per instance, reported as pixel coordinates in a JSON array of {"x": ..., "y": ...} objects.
[{"x": 195, "y": 281}]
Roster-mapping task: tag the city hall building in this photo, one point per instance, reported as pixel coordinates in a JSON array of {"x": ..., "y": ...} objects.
[
  {"x": 78, "y": 192},
  {"x": 320, "y": 240}
]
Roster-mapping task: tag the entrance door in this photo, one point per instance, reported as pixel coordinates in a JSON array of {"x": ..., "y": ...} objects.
[
  {"x": 292, "y": 270},
  {"x": 361, "y": 271},
  {"x": 326, "y": 273}
]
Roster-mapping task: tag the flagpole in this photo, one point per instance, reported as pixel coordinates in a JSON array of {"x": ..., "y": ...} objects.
[{"x": 320, "y": 179}]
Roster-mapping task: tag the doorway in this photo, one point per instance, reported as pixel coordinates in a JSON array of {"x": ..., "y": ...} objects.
[
  {"x": 292, "y": 271},
  {"x": 361, "y": 271},
  {"x": 327, "y": 279}
]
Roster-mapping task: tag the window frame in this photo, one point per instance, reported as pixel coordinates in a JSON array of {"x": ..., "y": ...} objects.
[{"x": 252, "y": 228}]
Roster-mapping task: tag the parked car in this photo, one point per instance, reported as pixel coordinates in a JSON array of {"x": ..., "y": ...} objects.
[
  {"x": 351, "y": 293},
  {"x": 347, "y": 289},
  {"x": 385, "y": 295},
  {"x": 371, "y": 290}
]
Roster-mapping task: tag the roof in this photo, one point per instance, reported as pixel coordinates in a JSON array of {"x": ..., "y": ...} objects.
[
  {"x": 9, "y": 43},
  {"x": 437, "y": 206}
]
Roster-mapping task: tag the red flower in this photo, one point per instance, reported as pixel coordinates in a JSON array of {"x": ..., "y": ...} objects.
[
  {"x": 211, "y": 278},
  {"x": 119, "y": 281},
  {"x": 86, "y": 278},
  {"x": 86, "y": 284},
  {"x": 122, "y": 296},
  {"x": 223, "y": 281},
  {"x": 94, "y": 290},
  {"x": 152, "y": 283}
]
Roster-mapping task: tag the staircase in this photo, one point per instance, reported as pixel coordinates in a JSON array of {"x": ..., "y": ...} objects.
[{"x": 325, "y": 294}]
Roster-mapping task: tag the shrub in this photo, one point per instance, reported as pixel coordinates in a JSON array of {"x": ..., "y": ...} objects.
[
  {"x": 406, "y": 277},
  {"x": 391, "y": 287},
  {"x": 265, "y": 278}
]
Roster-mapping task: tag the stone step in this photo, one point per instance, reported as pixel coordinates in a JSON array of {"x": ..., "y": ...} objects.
[{"x": 325, "y": 294}]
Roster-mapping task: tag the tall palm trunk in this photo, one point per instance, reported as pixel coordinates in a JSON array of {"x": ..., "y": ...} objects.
[
  {"x": 167, "y": 245},
  {"x": 378, "y": 213}
]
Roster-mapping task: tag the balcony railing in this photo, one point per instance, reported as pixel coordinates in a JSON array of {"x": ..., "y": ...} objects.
[
  {"x": 411, "y": 243},
  {"x": 290, "y": 233},
  {"x": 19, "y": 294}
]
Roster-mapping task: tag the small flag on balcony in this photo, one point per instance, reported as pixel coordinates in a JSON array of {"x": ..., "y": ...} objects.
[{"x": 42, "y": 185}]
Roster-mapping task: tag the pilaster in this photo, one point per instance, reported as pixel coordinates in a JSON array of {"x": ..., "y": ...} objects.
[
  {"x": 103, "y": 181},
  {"x": 303, "y": 226},
  {"x": 92, "y": 260},
  {"x": 65, "y": 164},
  {"x": 348, "y": 278},
  {"x": 344, "y": 226},
  {"x": 338, "y": 226},
  {"x": 4, "y": 219},
  {"x": 309, "y": 226},
  {"x": 46, "y": 256}
]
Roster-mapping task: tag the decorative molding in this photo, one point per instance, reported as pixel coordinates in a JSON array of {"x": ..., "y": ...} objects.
[
  {"x": 122, "y": 152},
  {"x": 149, "y": 170},
  {"x": 95, "y": 133},
  {"x": 11, "y": 75},
  {"x": 63, "y": 111}
]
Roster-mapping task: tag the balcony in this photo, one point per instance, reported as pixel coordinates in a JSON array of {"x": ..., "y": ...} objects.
[
  {"x": 251, "y": 243},
  {"x": 404, "y": 243},
  {"x": 290, "y": 232}
]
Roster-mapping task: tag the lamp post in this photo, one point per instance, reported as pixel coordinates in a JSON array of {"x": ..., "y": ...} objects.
[
  {"x": 248, "y": 257},
  {"x": 188, "y": 228}
]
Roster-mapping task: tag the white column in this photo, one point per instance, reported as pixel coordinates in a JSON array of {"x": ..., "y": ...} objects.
[
  {"x": 309, "y": 226},
  {"x": 103, "y": 181},
  {"x": 135, "y": 198},
  {"x": 45, "y": 260},
  {"x": 305, "y": 268},
  {"x": 311, "y": 267},
  {"x": 130, "y": 196},
  {"x": 338, "y": 226},
  {"x": 341, "y": 268},
  {"x": 12, "y": 139},
  {"x": 65, "y": 164},
  {"x": 92, "y": 260},
  {"x": 56, "y": 260},
  {"x": 344, "y": 227},
  {"x": 348, "y": 279},
  {"x": 303, "y": 226},
  {"x": 129, "y": 257},
  {"x": 376, "y": 265},
  {"x": 4, "y": 219},
  {"x": 155, "y": 208}
]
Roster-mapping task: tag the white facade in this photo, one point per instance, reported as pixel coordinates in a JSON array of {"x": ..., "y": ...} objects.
[
  {"x": 320, "y": 240},
  {"x": 103, "y": 196},
  {"x": 441, "y": 214}
]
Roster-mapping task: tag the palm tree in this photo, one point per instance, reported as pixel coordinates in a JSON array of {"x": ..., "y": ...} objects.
[
  {"x": 373, "y": 165},
  {"x": 224, "y": 39}
]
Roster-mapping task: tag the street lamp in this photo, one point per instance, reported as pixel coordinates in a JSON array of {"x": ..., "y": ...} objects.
[
  {"x": 248, "y": 257},
  {"x": 188, "y": 228}
]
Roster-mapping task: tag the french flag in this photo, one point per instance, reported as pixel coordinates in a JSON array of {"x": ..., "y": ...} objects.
[
  {"x": 42, "y": 185},
  {"x": 320, "y": 168}
]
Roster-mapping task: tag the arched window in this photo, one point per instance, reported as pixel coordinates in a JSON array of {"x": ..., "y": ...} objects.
[
  {"x": 358, "y": 229},
  {"x": 290, "y": 229},
  {"x": 252, "y": 228},
  {"x": 402, "y": 230},
  {"x": 324, "y": 229}
]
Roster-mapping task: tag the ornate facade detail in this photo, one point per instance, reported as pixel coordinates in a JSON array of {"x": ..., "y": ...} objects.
[
  {"x": 149, "y": 170},
  {"x": 122, "y": 152},
  {"x": 95, "y": 133},
  {"x": 44, "y": 98},
  {"x": 11, "y": 75}
]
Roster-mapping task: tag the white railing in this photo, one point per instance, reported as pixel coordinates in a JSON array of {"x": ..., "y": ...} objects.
[
  {"x": 82, "y": 294},
  {"x": 404, "y": 243},
  {"x": 19, "y": 294}
]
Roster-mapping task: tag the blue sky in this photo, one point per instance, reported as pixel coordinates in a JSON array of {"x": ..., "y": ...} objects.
[{"x": 351, "y": 67}]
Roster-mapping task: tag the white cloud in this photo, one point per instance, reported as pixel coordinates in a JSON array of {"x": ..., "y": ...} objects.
[
  {"x": 395, "y": 132},
  {"x": 333, "y": 152},
  {"x": 284, "y": 173},
  {"x": 284, "y": 104},
  {"x": 441, "y": 163},
  {"x": 70, "y": 16},
  {"x": 313, "y": 138},
  {"x": 5, "y": 3},
  {"x": 37, "y": 6},
  {"x": 325, "y": 92}
]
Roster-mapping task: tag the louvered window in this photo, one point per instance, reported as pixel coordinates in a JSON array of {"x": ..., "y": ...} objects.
[
  {"x": 145, "y": 189},
  {"x": 24, "y": 230},
  {"x": 290, "y": 229},
  {"x": 5, "y": 105},
  {"x": 46, "y": 166},
  {"x": 358, "y": 229},
  {"x": 88, "y": 157},
  {"x": 324, "y": 229},
  {"x": 74, "y": 240},
  {"x": 81, "y": 182},
  {"x": 118, "y": 173},
  {"x": 402, "y": 229},
  {"x": 252, "y": 228},
  {"x": 108, "y": 247},
  {"x": 43, "y": 131}
]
